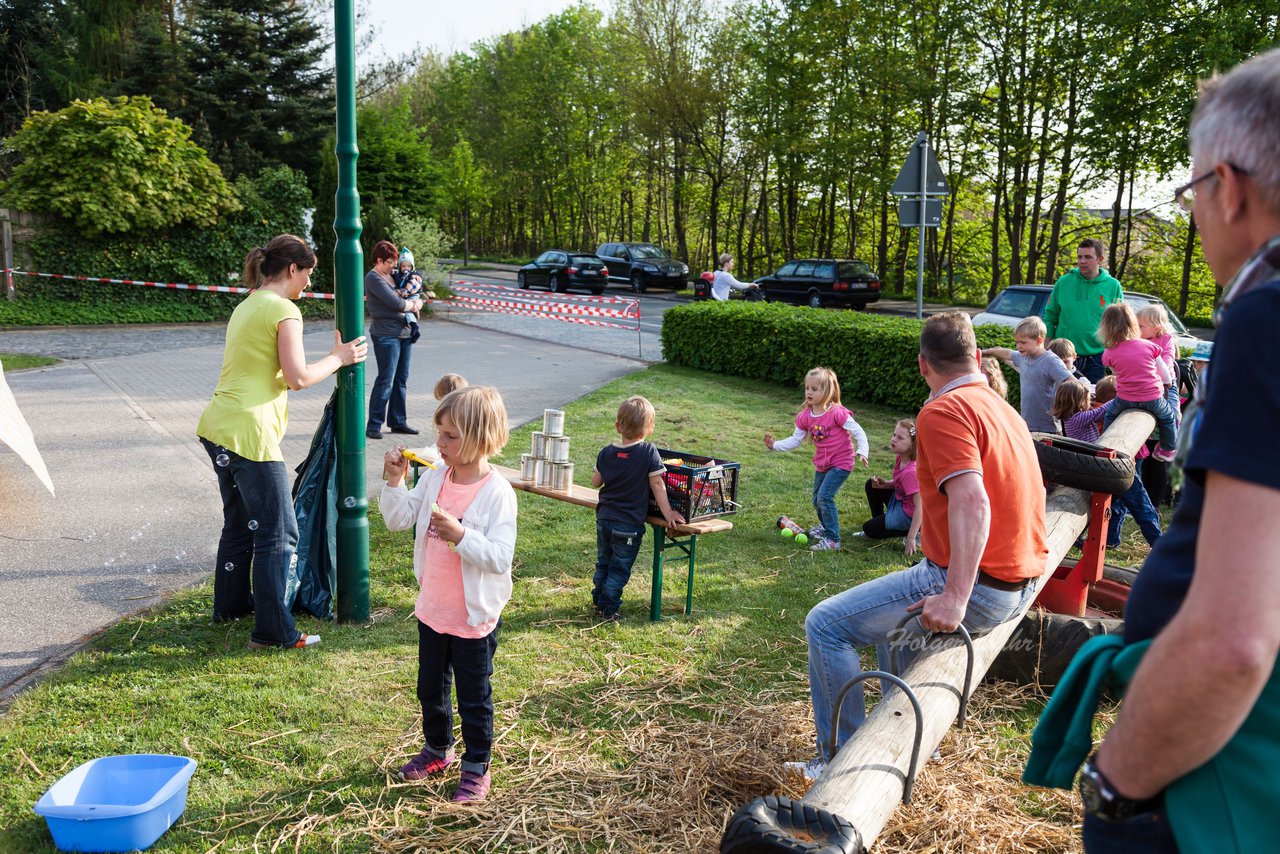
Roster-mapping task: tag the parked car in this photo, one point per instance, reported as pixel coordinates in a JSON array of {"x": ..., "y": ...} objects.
[
  {"x": 559, "y": 270},
  {"x": 823, "y": 281},
  {"x": 643, "y": 266},
  {"x": 1018, "y": 301}
]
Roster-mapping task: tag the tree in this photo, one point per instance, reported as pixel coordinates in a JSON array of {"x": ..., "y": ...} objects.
[
  {"x": 464, "y": 187},
  {"x": 29, "y": 33},
  {"x": 115, "y": 166}
]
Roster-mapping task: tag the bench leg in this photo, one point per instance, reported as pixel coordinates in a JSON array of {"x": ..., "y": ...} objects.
[
  {"x": 688, "y": 594},
  {"x": 655, "y": 597}
]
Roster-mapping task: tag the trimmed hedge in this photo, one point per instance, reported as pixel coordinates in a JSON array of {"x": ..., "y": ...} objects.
[{"x": 873, "y": 355}]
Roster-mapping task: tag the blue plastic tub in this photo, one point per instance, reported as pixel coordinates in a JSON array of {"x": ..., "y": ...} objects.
[{"x": 117, "y": 803}]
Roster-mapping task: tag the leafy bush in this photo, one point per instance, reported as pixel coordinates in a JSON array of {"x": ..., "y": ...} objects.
[
  {"x": 112, "y": 167},
  {"x": 873, "y": 355}
]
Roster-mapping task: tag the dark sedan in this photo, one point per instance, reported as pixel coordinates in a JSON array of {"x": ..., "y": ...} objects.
[
  {"x": 823, "y": 281},
  {"x": 558, "y": 270},
  {"x": 643, "y": 266}
]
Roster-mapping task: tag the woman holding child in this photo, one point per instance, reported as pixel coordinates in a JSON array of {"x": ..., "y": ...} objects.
[{"x": 392, "y": 340}]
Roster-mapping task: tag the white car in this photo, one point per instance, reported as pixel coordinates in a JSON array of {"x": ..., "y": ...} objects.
[{"x": 1018, "y": 301}]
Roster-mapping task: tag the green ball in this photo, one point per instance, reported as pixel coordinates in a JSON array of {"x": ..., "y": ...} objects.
[
  {"x": 788, "y": 533},
  {"x": 802, "y": 538}
]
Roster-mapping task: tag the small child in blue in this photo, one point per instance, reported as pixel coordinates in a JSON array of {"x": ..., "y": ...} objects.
[
  {"x": 626, "y": 473},
  {"x": 408, "y": 283}
]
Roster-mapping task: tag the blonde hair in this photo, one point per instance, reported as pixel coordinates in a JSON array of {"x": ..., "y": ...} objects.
[
  {"x": 910, "y": 424},
  {"x": 479, "y": 415},
  {"x": 1155, "y": 314},
  {"x": 1118, "y": 324},
  {"x": 1062, "y": 348},
  {"x": 828, "y": 385},
  {"x": 995, "y": 376},
  {"x": 1105, "y": 390},
  {"x": 635, "y": 418},
  {"x": 448, "y": 383},
  {"x": 1072, "y": 397},
  {"x": 1031, "y": 327}
]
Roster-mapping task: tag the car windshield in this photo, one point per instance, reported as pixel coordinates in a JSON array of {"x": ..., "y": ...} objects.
[
  {"x": 1014, "y": 303},
  {"x": 649, "y": 251}
]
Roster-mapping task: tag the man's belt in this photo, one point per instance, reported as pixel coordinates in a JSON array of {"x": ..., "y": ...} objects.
[{"x": 988, "y": 580}]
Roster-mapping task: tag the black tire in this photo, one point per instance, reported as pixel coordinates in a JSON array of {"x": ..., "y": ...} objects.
[
  {"x": 557, "y": 283},
  {"x": 1071, "y": 462},
  {"x": 1043, "y": 644},
  {"x": 639, "y": 284},
  {"x": 815, "y": 299},
  {"x": 778, "y": 824},
  {"x": 597, "y": 291},
  {"x": 521, "y": 280}
]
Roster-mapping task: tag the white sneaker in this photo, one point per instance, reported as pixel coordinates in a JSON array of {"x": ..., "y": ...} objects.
[
  {"x": 857, "y": 534},
  {"x": 826, "y": 544},
  {"x": 811, "y": 770},
  {"x": 817, "y": 532}
]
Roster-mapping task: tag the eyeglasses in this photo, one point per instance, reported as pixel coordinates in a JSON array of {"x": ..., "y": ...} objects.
[{"x": 1185, "y": 196}]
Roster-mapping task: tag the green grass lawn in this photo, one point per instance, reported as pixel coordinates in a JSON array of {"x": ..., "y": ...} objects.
[
  {"x": 21, "y": 361},
  {"x": 637, "y": 736}
]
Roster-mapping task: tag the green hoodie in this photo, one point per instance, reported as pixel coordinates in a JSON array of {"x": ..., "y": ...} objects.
[{"x": 1075, "y": 309}]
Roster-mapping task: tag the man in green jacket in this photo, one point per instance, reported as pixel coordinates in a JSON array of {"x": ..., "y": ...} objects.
[{"x": 1076, "y": 306}]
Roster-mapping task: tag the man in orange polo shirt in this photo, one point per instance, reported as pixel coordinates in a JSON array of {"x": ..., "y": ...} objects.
[{"x": 984, "y": 533}]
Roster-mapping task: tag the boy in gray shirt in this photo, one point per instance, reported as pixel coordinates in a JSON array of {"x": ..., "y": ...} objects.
[{"x": 1039, "y": 372}]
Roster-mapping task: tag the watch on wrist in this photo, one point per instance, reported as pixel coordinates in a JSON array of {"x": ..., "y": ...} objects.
[{"x": 1101, "y": 799}]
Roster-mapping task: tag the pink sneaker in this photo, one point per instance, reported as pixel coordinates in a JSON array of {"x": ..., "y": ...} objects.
[
  {"x": 471, "y": 787},
  {"x": 1163, "y": 454},
  {"x": 428, "y": 763}
]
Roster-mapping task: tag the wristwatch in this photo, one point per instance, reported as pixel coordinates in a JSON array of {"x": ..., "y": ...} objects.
[{"x": 1101, "y": 799}]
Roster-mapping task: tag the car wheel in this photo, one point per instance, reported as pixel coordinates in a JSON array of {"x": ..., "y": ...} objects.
[
  {"x": 860, "y": 306},
  {"x": 557, "y": 283},
  {"x": 638, "y": 283},
  {"x": 522, "y": 281},
  {"x": 597, "y": 291},
  {"x": 815, "y": 299}
]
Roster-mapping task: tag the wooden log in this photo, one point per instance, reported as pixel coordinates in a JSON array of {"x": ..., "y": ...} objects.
[{"x": 864, "y": 783}]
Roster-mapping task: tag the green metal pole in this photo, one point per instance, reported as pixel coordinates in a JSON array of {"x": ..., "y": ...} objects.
[{"x": 348, "y": 262}]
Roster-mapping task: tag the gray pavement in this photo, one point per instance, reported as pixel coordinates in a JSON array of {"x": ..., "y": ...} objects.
[{"x": 136, "y": 513}]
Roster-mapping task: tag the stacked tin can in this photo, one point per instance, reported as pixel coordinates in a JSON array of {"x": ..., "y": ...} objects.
[{"x": 547, "y": 463}]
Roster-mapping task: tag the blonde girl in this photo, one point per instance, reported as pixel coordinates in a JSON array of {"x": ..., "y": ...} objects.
[
  {"x": 894, "y": 512},
  {"x": 995, "y": 376},
  {"x": 834, "y": 433},
  {"x": 466, "y": 522},
  {"x": 1153, "y": 326},
  {"x": 1141, "y": 375}
]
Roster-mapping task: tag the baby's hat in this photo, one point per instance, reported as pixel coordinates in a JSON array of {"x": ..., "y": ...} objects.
[{"x": 405, "y": 255}]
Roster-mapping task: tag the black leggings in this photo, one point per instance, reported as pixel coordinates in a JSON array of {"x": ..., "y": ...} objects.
[
  {"x": 878, "y": 500},
  {"x": 1155, "y": 478}
]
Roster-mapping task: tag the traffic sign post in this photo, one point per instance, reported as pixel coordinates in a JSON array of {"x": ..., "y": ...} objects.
[{"x": 920, "y": 178}]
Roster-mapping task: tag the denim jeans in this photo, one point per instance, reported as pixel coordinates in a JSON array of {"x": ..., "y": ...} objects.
[
  {"x": 441, "y": 657},
  {"x": 389, "y": 398},
  {"x": 869, "y": 614},
  {"x": 825, "y": 486},
  {"x": 1165, "y": 415},
  {"x": 1146, "y": 833},
  {"x": 259, "y": 535},
  {"x": 617, "y": 545},
  {"x": 1137, "y": 502},
  {"x": 1091, "y": 367},
  {"x": 888, "y": 517}
]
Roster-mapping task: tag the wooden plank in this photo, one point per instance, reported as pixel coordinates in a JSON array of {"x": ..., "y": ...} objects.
[{"x": 864, "y": 782}]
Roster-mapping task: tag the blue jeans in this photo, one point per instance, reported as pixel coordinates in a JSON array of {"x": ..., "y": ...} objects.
[
  {"x": 1147, "y": 833},
  {"x": 259, "y": 535},
  {"x": 1137, "y": 502},
  {"x": 1166, "y": 417},
  {"x": 389, "y": 398},
  {"x": 825, "y": 486},
  {"x": 466, "y": 666},
  {"x": 1091, "y": 367},
  {"x": 617, "y": 544},
  {"x": 869, "y": 614}
]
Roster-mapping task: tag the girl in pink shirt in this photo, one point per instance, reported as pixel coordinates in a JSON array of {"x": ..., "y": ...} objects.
[
  {"x": 1153, "y": 326},
  {"x": 466, "y": 535},
  {"x": 893, "y": 505},
  {"x": 833, "y": 431},
  {"x": 1141, "y": 374}
]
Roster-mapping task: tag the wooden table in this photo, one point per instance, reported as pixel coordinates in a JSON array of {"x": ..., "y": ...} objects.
[{"x": 682, "y": 538}]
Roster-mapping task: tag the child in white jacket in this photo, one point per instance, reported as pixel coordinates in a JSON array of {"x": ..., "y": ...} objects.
[{"x": 466, "y": 518}]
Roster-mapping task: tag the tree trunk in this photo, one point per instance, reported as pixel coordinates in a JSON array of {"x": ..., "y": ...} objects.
[{"x": 1184, "y": 293}]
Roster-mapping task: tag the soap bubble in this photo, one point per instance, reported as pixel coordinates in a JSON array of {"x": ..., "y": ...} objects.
[
  {"x": 349, "y": 501},
  {"x": 253, "y": 524},
  {"x": 222, "y": 460}
]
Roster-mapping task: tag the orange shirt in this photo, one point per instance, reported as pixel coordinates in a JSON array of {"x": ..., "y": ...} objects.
[{"x": 971, "y": 428}]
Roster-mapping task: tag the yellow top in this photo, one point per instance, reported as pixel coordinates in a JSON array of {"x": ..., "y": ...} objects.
[{"x": 250, "y": 409}]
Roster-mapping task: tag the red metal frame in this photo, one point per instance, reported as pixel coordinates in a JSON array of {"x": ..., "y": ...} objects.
[{"x": 1067, "y": 592}]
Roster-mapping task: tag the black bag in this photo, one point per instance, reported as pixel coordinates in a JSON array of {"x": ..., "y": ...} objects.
[{"x": 313, "y": 577}]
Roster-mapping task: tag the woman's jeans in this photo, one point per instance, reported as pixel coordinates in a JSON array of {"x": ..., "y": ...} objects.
[
  {"x": 389, "y": 399},
  {"x": 441, "y": 658},
  {"x": 869, "y": 614},
  {"x": 617, "y": 545},
  {"x": 259, "y": 535},
  {"x": 1166, "y": 417},
  {"x": 825, "y": 486},
  {"x": 888, "y": 517}
]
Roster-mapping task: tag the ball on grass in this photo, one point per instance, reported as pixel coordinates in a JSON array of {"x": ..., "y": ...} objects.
[
  {"x": 787, "y": 533},
  {"x": 802, "y": 538}
]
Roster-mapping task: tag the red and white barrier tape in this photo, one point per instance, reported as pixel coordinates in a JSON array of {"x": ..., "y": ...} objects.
[
  {"x": 220, "y": 289},
  {"x": 631, "y": 312},
  {"x": 543, "y": 295},
  {"x": 502, "y": 307}
]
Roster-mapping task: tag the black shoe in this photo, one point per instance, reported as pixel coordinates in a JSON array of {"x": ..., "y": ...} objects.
[
  {"x": 373, "y": 434},
  {"x": 405, "y": 429}
]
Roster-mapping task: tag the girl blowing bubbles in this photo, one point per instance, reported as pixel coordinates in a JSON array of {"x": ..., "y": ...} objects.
[
  {"x": 466, "y": 518},
  {"x": 833, "y": 431},
  {"x": 901, "y": 517}
]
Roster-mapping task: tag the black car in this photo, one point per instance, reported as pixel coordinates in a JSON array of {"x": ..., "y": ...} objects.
[
  {"x": 559, "y": 270},
  {"x": 643, "y": 265},
  {"x": 823, "y": 281}
]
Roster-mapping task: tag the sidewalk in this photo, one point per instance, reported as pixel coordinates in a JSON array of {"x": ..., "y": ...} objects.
[{"x": 137, "y": 512}]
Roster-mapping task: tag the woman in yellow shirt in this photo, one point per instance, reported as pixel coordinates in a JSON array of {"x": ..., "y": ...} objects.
[{"x": 241, "y": 429}]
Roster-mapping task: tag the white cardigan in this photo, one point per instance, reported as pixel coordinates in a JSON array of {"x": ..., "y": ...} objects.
[{"x": 487, "y": 546}]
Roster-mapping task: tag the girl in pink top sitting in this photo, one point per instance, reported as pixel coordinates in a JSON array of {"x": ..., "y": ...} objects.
[
  {"x": 893, "y": 505},
  {"x": 466, "y": 536},
  {"x": 1153, "y": 326},
  {"x": 834, "y": 432},
  {"x": 1141, "y": 374}
]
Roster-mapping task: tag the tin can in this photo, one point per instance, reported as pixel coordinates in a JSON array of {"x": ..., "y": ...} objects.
[
  {"x": 544, "y": 473},
  {"x": 538, "y": 446},
  {"x": 553, "y": 422},
  {"x": 558, "y": 449},
  {"x": 562, "y": 476},
  {"x": 528, "y": 467}
]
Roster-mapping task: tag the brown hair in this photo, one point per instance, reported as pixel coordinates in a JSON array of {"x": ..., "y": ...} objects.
[
  {"x": 995, "y": 376},
  {"x": 481, "y": 418},
  {"x": 1105, "y": 390},
  {"x": 1094, "y": 244},
  {"x": 1118, "y": 324},
  {"x": 947, "y": 341},
  {"x": 910, "y": 424},
  {"x": 1062, "y": 348},
  {"x": 635, "y": 418},
  {"x": 384, "y": 250},
  {"x": 828, "y": 382},
  {"x": 1071, "y": 397},
  {"x": 448, "y": 383},
  {"x": 265, "y": 263}
]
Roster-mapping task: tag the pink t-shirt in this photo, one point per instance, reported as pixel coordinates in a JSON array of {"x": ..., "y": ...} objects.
[
  {"x": 832, "y": 444},
  {"x": 905, "y": 484},
  {"x": 1134, "y": 364},
  {"x": 442, "y": 604},
  {"x": 1168, "y": 352}
]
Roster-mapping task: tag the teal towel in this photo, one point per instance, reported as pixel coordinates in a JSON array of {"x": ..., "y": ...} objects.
[{"x": 1064, "y": 736}]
